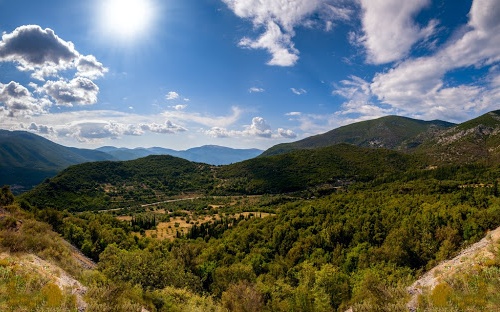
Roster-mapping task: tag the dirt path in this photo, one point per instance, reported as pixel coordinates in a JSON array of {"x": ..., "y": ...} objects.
[{"x": 468, "y": 257}]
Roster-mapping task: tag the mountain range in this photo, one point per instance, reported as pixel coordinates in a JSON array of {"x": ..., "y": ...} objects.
[
  {"x": 26, "y": 159},
  {"x": 209, "y": 154},
  {"x": 476, "y": 140}
]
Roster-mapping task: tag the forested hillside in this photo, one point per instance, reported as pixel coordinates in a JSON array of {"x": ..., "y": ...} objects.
[
  {"x": 111, "y": 184},
  {"x": 107, "y": 185},
  {"x": 358, "y": 248}
]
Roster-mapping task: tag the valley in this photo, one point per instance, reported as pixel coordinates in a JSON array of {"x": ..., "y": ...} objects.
[{"x": 329, "y": 228}]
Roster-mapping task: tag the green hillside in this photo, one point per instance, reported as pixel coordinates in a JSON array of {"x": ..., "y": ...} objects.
[
  {"x": 26, "y": 159},
  {"x": 111, "y": 184},
  {"x": 476, "y": 140},
  {"x": 390, "y": 132},
  {"x": 335, "y": 165},
  {"x": 108, "y": 185}
]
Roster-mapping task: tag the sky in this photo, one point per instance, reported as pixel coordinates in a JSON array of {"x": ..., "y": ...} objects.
[{"x": 240, "y": 73}]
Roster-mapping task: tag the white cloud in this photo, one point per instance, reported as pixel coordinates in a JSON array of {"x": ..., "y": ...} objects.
[
  {"x": 89, "y": 67},
  {"x": 286, "y": 133},
  {"x": 279, "y": 18},
  {"x": 80, "y": 91},
  {"x": 42, "y": 52},
  {"x": 256, "y": 90},
  {"x": 16, "y": 100},
  {"x": 293, "y": 114},
  {"x": 218, "y": 132},
  {"x": 298, "y": 91},
  {"x": 167, "y": 127},
  {"x": 259, "y": 128},
  {"x": 179, "y": 107},
  {"x": 42, "y": 129},
  {"x": 419, "y": 87},
  {"x": 95, "y": 129},
  {"x": 36, "y": 49},
  {"x": 172, "y": 95},
  {"x": 277, "y": 43},
  {"x": 389, "y": 28},
  {"x": 205, "y": 120}
]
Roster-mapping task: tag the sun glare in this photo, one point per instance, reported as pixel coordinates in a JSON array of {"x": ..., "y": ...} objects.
[{"x": 126, "y": 20}]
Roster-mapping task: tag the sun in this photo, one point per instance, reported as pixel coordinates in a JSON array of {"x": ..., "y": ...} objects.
[{"x": 126, "y": 20}]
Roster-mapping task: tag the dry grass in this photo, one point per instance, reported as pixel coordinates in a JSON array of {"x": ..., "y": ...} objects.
[{"x": 168, "y": 230}]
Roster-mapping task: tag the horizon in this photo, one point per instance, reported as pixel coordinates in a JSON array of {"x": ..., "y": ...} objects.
[{"x": 240, "y": 74}]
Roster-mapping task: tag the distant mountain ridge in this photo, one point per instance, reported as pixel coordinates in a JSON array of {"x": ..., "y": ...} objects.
[
  {"x": 391, "y": 132},
  {"x": 26, "y": 158},
  {"x": 441, "y": 142},
  {"x": 208, "y": 154}
]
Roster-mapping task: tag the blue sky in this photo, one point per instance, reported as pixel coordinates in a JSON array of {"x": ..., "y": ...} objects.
[{"x": 240, "y": 73}]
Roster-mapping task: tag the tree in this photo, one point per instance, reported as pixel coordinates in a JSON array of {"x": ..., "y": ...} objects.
[{"x": 6, "y": 196}]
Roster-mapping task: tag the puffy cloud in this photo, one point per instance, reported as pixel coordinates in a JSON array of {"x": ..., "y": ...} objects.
[
  {"x": 179, "y": 107},
  {"x": 279, "y": 18},
  {"x": 172, "y": 95},
  {"x": 80, "y": 91},
  {"x": 218, "y": 132},
  {"x": 277, "y": 43},
  {"x": 16, "y": 100},
  {"x": 259, "y": 127},
  {"x": 298, "y": 91},
  {"x": 418, "y": 87},
  {"x": 383, "y": 21},
  {"x": 89, "y": 67},
  {"x": 167, "y": 127},
  {"x": 34, "y": 48},
  {"x": 256, "y": 90},
  {"x": 96, "y": 130},
  {"x": 45, "y": 54},
  {"x": 286, "y": 133},
  {"x": 42, "y": 129}
]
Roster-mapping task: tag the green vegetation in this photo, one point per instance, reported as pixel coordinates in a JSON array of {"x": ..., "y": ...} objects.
[
  {"x": 110, "y": 185},
  {"x": 391, "y": 132},
  {"x": 359, "y": 247},
  {"x": 344, "y": 227},
  {"x": 27, "y": 159}
]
